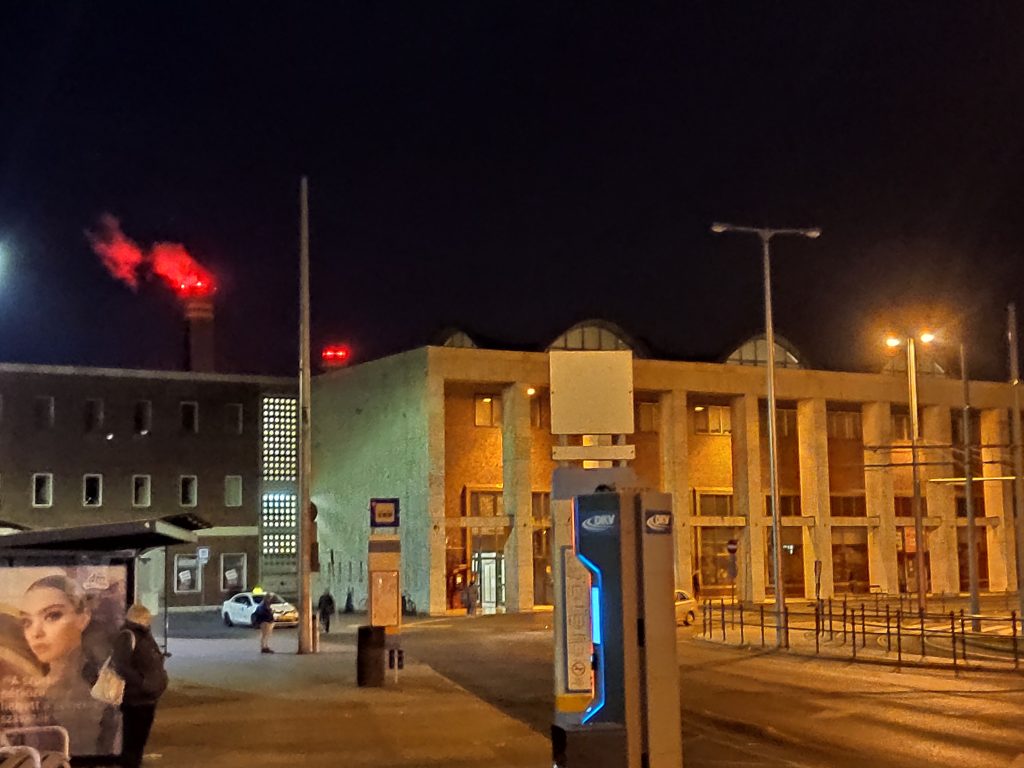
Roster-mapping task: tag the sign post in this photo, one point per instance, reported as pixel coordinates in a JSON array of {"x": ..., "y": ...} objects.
[{"x": 732, "y": 546}]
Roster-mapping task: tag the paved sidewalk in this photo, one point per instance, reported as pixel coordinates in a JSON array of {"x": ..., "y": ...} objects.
[{"x": 229, "y": 706}]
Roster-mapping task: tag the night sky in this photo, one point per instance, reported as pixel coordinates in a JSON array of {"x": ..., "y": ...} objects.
[{"x": 513, "y": 168}]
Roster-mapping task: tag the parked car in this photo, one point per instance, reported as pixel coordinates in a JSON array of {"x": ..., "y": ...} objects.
[
  {"x": 240, "y": 609},
  {"x": 686, "y": 608}
]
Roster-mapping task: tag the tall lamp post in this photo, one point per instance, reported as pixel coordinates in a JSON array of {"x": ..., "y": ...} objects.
[
  {"x": 972, "y": 533},
  {"x": 766, "y": 234},
  {"x": 915, "y": 437}
]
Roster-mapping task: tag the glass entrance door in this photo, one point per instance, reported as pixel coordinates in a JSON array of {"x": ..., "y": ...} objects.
[{"x": 489, "y": 569}]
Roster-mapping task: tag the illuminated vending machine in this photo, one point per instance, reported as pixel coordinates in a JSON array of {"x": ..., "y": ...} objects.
[{"x": 624, "y": 541}]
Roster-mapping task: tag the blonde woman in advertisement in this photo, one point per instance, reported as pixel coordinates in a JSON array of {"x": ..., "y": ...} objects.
[{"x": 56, "y": 618}]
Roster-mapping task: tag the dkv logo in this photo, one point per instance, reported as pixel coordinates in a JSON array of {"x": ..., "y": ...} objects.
[
  {"x": 599, "y": 523},
  {"x": 658, "y": 522}
]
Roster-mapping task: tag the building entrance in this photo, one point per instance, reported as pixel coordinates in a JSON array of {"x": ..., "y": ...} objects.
[{"x": 489, "y": 570}]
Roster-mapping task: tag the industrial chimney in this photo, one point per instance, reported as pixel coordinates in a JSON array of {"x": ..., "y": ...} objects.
[{"x": 199, "y": 344}]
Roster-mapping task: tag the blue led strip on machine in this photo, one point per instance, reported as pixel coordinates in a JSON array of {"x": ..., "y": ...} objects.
[{"x": 595, "y": 634}]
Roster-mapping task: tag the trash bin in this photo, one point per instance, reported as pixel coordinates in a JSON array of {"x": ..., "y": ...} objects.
[{"x": 370, "y": 657}]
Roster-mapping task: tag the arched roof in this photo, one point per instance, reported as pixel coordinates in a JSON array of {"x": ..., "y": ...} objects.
[
  {"x": 754, "y": 351},
  {"x": 597, "y": 334},
  {"x": 455, "y": 337}
]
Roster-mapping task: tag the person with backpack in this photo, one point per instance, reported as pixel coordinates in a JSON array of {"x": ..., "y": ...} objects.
[
  {"x": 326, "y": 608},
  {"x": 263, "y": 618},
  {"x": 139, "y": 661}
]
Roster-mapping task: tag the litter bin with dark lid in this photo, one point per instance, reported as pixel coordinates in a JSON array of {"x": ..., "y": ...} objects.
[{"x": 370, "y": 657}]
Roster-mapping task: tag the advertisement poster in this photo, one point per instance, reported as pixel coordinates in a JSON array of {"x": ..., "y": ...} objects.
[{"x": 57, "y": 626}]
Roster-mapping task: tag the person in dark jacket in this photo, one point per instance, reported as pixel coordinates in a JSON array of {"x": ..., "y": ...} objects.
[
  {"x": 326, "y": 608},
  {"x": 263, "y": 617},
  {"x": 137, "y": 658}
]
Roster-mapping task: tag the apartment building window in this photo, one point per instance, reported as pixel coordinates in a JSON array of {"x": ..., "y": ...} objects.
[
  {"x": 789, "y": 505},
  {"x": 92, "y": 490},
  {"x": 188, "y": 574},
  {"x": 901, "y": 426},
  {"x": 188, "y": 490},
  {"x": 848, "y": 506},
  {"x": 93, "y": 415},
  {"x": 233, "y": 418},
  {"x": 42, "y": 489},
  {"x": 487, "y": 410},
  {"x": 232, "y": 490},
  {"x": 485, "y": 503},
  {"x": 142, "y": 417},
  {"x": 844, "y": 425},
  {"x": 233, "y": 576},
  {"x": 141, "y": 490},
  {"x": 190, "y": 417},
  {"x": 43, "y": 412},
  {"x": 647, "y": 417},
  {"x": 712, "y": 420},
  {"x": 904, "y": 506},
  {"x": 540, "y": 412},
  {"x": 714, "y": 504}
]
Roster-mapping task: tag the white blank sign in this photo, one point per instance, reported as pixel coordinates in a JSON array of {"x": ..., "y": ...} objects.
[{"x": 591, "y": 392}]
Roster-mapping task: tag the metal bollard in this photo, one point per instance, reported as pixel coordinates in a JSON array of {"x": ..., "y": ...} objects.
[
  {"x": 888, "y": 631},
  {"x": 963, "y": 638},
  {"x": 899, "y": 638},
  {"x": 844, "y": 621},
  {"x": 1013, "y": 626},
  {"x": 853, "y": 634},
  {"x": 831, "y": 635},
  {"x": 924, "y": 651},
  {"x": 742, "y": 634},
  {"x": 785, "y": 626},
  {"x": 952, "y": 637},
  {"x": 817, "y": 628},
  {"x": 722, "y": 607},
  {"x": 863, "y": 636},
  {"x": 761, "y": 611}
]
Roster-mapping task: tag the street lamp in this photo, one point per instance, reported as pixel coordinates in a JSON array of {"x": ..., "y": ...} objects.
[
  {"x": 915, "y": 436},
  {"x": 766, "y": 234}
]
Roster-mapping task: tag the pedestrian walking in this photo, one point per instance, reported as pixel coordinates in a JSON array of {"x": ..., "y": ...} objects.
[
  {"x": 138, "y": 660},
  {"x": 264, "y": 619},
  {"x": 472, "y": 595},
  {"x": 326, "y": 608}
]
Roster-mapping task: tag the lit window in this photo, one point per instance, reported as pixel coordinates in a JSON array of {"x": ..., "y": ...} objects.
[
  {"x": 279, "y": 524},
  {"x": 541, "y": 501},
  {"x": 188, "y": 487},
  {"x": 188, "y": 574},
  {"x": 233, "y": 490},
  {"x": 141, "y": 490},
  {"x": 190, "y": 417},
  {"x": 280, "y": 434},
  {"x": 92, "y": 490},
  {"x": 486, "y": 503},
  {"x": 540, "y": 412},
  {"x": 712, "y": 420},
  {"x": 714, "y": 504},
  {"x": 42, "y": 489},
  {"x": 487, "y": 410}
]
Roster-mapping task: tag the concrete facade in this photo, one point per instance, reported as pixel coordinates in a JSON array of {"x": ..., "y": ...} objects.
[{"x": 462, "y": 437}]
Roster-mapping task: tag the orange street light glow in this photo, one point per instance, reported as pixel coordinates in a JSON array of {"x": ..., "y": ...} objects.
[
  {"x": 927, "y": 337},
  {"x": 892, "y": 342}
]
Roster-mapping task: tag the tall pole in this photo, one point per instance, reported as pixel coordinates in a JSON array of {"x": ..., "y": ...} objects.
[
  {"x": 304, "y": 538},
  {"x": 972, "y": 552},
  {"x": 915, "y": 438},
  {"x": 1018, "y": 452},
  {"x": 773, "y": 465}
]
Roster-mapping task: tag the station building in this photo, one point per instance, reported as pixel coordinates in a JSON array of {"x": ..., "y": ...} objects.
[
  {"x": 461, "y": 435},
  {"x": 98, "y": 445}
]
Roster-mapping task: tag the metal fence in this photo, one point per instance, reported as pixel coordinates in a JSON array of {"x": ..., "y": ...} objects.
[{"x": 877, "y": 631}]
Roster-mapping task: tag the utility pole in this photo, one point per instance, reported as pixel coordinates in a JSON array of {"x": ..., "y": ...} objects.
[
  {"x": 1018, "y": 451},
  {"x": 915, "y": 473},
  {"x": 304, "y": 523},
  {"x": 972, "y": 551}
]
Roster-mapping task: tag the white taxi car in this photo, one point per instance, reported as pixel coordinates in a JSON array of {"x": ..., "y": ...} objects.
[
  {"x": 686, "y": 608},
  {"x": 240, "y": 609}
]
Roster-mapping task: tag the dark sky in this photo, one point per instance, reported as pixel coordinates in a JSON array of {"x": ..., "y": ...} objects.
[{"x": 513, "y": 168}]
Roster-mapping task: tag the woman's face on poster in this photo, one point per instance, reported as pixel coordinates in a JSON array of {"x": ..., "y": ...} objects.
[{"x": 53, "y": 628}]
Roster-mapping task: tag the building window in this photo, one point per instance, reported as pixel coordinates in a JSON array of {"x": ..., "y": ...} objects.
[
  {"x": 596, "y": 440},
  {"x": 904, "y": 506},
  {"x": 280, "y": 430},
  {"x": 188, "y": 574},
  {"x": 844, "y": 425},
  {"x": 233, "y": 576},
  {"x": 540, "y": 412},
  {"x": 785, "y": 422},
  {"x": 42, "y": 489},
  {"x": 901, "y": 426},
  {"x": 43, "y": 412},
  {"x": 93, "y": 415},
  {"x": 232, "y": 490},
  {"x": 190, "y": 417},
  {"x": 979, "y": 506},
  {"x": 789, "y": 505},
  {"x": 712, "y": 420},
  {"x": 714, "y": 504},
  {"x": 233, "y": 418},
  {"x": 141, "y": 490},
  {"x": 279, "y": 523},
  {"x": 541, "y": 502},
  {"x": 142, "y": 417},
  {"x": 487, "y": 410},
  {"x": 848, "y": 506},
  {"x": 485, "y": 503},
  {"x": 92, "y": 490},
  {"x": 188, "y": 487},
  {"x": 647, "y": 417}
]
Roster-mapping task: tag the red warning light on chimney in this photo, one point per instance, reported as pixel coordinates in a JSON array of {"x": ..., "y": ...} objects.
[{"x": 335, "y": 355}]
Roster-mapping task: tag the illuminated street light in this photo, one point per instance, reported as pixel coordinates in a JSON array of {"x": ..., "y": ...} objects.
[
  {"x": 766, "y": 234},
  {"x": 927, "y": 337}
]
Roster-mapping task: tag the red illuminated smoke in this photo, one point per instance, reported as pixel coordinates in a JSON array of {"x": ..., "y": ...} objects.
[{"x": 129, "y": 263}]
